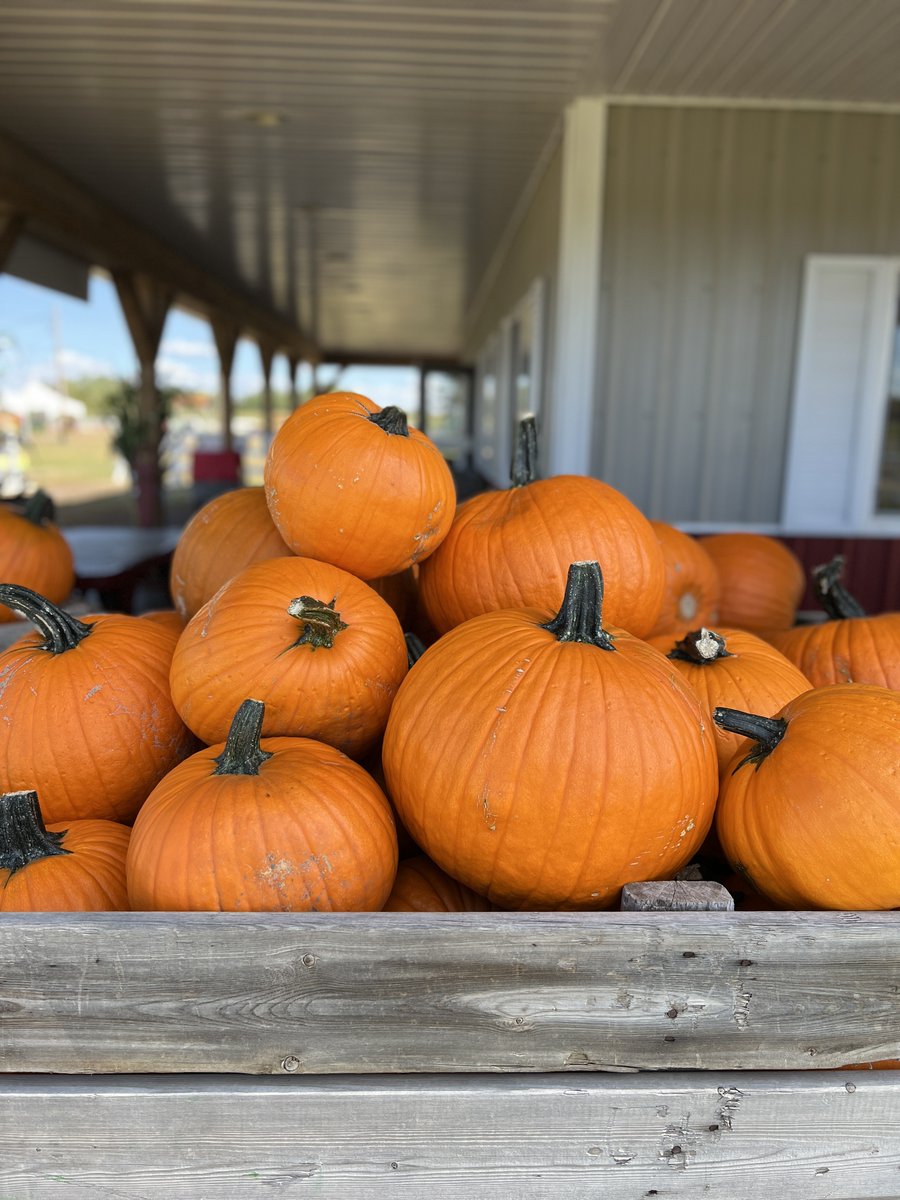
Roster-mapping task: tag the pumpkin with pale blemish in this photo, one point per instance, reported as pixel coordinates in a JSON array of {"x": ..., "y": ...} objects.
[
  {"x": 355, "y": 485},
  {"x": 278, "y": 825},
  {"x": 691, "y": 596}
]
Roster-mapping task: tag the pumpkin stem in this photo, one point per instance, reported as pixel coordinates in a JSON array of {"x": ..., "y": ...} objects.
[
  {"x": 700, "y": 646},
  {"x": 321, "y": 624},
  {"x": 415, "y": 648},
  {"x": 767, "y": 732},
  {"x": 831, "y": 593},
  {"x": 243, "y": 754},
  {"x": 39, "y": 508},
  {"x": 581, "y": 617},
  {"x": 61, "y": 630},
  {"x": 24, "y": 838},
  {"x": 392, "y": 420},
  {"x": 524, "y": 463}
]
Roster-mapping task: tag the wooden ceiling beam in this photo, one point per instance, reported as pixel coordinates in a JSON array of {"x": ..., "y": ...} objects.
[
  {"x": 11, "y": 226},
  {"x": 39, "y": 191}
]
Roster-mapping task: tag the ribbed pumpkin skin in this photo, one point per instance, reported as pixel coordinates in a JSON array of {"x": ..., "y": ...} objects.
[
  {"x": 312, "y": 832},
  {"x": 761, "y": 581},
  {"x": 421, "y": 886},
  {"x": 815, "y": 824},
  {"x": 343, "y": 490},
  {"x": 691, "y": 595},
  {"x": 93, "y": 729},
  {"x": 852, "y": 650},
  {"x": 756, "y": 678},
  {"x": 243, "y": 643},
  {"x": 169, "y": 618},
  {"x": 512, "y": 549},
  {"x": 37, "y": 556},
  {"x": 231, "y": 532},
  {"x": 90, "y": 878},
  {"x": 544, "y": 774}
]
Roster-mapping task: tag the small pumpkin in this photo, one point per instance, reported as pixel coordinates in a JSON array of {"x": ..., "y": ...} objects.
[
  {"x": 761, "y": 581},
  {"x": 34, "y": 552},
  {"x": 280, "y": 825},
  {"x": 421, "y": 886},
  {"x": 810, "y": 805},
  {"x": 355, "y": 485},
  {"x": 691, "y": 596},
  {"x": 77, "y": 866}
]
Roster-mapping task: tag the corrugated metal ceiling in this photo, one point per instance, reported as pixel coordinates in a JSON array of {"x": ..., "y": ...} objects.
[{"x": 401, "y": 133}]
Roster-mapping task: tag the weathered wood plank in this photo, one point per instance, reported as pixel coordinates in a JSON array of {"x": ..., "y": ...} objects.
[
  {"x": 503, "y": 1138},
  {"x": 470, "y": 992},
  {"x": 676, "y": 895}
]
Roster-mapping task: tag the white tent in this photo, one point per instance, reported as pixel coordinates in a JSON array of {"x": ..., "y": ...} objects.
[{"x": 37, "y": 399}]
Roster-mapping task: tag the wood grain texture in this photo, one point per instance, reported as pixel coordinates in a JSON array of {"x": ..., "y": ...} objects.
[
  {"x": 676, "y": 895},
  {"x": 503, "y": 1138},
  {"x": 391, "y": 992}
]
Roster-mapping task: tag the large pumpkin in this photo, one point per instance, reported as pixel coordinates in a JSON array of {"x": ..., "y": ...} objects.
[
  {"x": 318, "y": 646},
  {"x": 34, "y": 553},
  {"x": 86, "y": 718},
  {"x": 355, "y": 485},
  {"x": 850, "y": 647},
  {"x": 421, "y": 886},
  {"x": 231, "y": 532},
  {"x": 809, "y": 808},
  {"x": 77, "y": 866},
  {"x": 761, "y": 581},
  {"x": 512, "y": 549},
  {"x": 691, "y": 596},
  {"x": 283, "y": 825},
  {"x": 545, "y": 761}
]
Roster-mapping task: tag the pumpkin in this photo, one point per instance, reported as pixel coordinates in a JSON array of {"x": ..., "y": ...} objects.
[
  {"x": 318, "y": 646},
  {"x": 544, "y": 761},
  {"x": 355, "y": 485},
  {"x": 231, "y": 532},
  {"x": 761, "y": 581},
  {"x": 282, "y": 825},
  {"x": 810, "y": 806},
  {"x": 169, "y": 618},
  {"x": 848, "y": 648},
  {"x": 691, "y": 595},
  {"x": 421, "y": 886},
  {"x": 733, "y": 669},
  {"x": 86, "y": 718},
  {"x": 512, "y": 548},
  {"x": 401, "y": 592},
  {"x": 34, "y": 553},
  {"x": 77, "y": 866}
]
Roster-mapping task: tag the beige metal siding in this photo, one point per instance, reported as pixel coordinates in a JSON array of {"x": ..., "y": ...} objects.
[{"x": 709, "y": 214}]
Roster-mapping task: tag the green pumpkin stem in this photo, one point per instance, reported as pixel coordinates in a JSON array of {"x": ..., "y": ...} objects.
[
  {"x": 524, "y": 464},
  {"x": 581, "y": 617},
  {"x": 39, "y": 508},
  {"x": 243, "y": 754},
  {"x": 831, "y": 593},
  {"x": 700, "y": 646},
  {"x": 767, "y": 732},
  {"x": 415, "y": 648},
  {"x": 321, "y": 624},
  {"x": 24, "y": 838},
  {"x": 391, "y": 420},
  {"x": 61, "y": 630}
]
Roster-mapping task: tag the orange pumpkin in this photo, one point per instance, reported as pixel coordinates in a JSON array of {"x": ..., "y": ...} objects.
[
  {"x": 761, "y": 581},
  {"x": 421, "y": 886},
  {"x": 77, "y": 866},
  {"x": 545, "y": 761},
  {"x": 355, "y": 485},
  {"x": 512, "y": 549},
  {"x": 691, "y": 596},
  {"x": 168, "y": 618},
  {"x": 401, "y": 592},
  {"x": 318, "y": 646},
  {"x": 732, "y": 668},
  {"x": 34, "y": 553},
  {"x": 810, "y": 806},
  {"x": 849, "y": 648},
  {"x": 283, "y": 825},
  {"x": 86, "y": 718},
  {"x": 231, "y": 532}
]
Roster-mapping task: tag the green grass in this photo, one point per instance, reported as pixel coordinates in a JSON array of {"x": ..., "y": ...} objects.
[{"x": 74, "y": 468}]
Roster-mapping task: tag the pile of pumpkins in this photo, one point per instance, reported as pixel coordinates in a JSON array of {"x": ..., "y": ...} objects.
[{"x": 368, "y": 697}]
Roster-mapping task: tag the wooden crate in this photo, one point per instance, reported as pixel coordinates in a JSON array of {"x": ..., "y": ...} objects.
[{"x": 504, "y": 1055}]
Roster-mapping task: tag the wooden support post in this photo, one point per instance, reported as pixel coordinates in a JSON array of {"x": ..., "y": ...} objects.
[
  {"x": 423, "y": 394},
  {"x": 266, "y": 354},
  {"x": 675, "y": 895},
  {"x": 145, "y": 303},
  {"x": 11, "y": 226},
  {"x": 293, "y": 365},
  {"x": 225, "y": 334}
]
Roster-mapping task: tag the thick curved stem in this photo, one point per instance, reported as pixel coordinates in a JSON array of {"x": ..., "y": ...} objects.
[
  {"x": 524, "y": 464},
  {"x": 24, "y": 838},
  {"x": 61, "y": 630},
  {"x": 39, "y": 508},
  {"x": 831, "y": 593},
  {"x": 391, "y": 420},
  {"x": 700, "y": 646},
  {"x": 767, "y": 732},
  {"x": 321, "y": 624},
  {"x": 581, "y": 617},
  {"x": 243, "y": 754}
]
